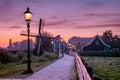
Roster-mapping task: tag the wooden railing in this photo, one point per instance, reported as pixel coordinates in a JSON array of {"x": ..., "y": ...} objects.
[{"x": 82, "y": 72}]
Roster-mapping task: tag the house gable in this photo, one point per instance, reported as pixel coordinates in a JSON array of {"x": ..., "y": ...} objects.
[{"x": 95, "y": 44}]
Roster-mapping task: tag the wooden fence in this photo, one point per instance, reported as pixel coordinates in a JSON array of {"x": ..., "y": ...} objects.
[{"x": 82, "y": 72}]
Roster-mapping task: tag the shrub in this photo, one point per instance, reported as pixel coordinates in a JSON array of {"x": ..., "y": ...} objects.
[
  {"x": 45, "y": 57},
  {"x": 10, "y": 56},
  {"x": 50, "y": 56},
  {"x": 5, "y": 56},
  {"x": 101, "y": 53},
  {"x": 20, "y": 55},
  {"x": 14, "y": 58},
  {"x": 23, "y": 60},
  {"x": 2, "y": 67},
  {"x": 42, "y": 59}
]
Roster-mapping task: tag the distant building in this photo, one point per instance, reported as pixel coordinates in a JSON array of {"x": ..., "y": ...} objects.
[
  {"x": 78, "y": 42},
  {"x": 10, "y": 46},
  {"x": 23, "y": 45},
  {"x": 20, "y": 45},
  {"x": 96, "y": 44},
  {"x": 16, "y": 45}
]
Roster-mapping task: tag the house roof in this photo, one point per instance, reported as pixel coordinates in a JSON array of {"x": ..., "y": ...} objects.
[{"x": 94, "y": 39}]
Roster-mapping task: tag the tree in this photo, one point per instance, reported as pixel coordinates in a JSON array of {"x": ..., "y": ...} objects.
[
  {"x": 107, "y": 36},
  {"x": 112, "y": 40}
]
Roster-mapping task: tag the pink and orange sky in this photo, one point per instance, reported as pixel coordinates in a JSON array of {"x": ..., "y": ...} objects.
[{"x": 84, "y": 18}]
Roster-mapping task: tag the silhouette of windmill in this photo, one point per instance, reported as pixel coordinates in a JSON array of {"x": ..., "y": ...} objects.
[{"x": 38, "y": 49}]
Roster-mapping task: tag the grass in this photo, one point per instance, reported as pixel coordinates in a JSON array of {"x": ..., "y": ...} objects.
[
  {"x": 107, "y": 68},
  {"x": 11, "y": 68},
  {"x": 16, "y": 68}
]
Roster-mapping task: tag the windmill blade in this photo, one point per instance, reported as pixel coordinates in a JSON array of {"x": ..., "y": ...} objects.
[
  {"x": 39, "y": 39},
  {"x": 24, "y": 33},
  {"x": 40, "y": 25},
  {"x": 39, "y": 34}
]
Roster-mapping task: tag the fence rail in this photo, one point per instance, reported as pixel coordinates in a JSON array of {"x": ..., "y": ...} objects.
[{"x": 82, "y": 72}]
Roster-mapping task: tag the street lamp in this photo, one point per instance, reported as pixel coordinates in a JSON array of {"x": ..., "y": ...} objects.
[{"x": 28, "y": 18}]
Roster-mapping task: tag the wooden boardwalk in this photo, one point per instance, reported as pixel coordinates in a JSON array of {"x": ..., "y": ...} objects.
[{"x": 63, "y": 69}]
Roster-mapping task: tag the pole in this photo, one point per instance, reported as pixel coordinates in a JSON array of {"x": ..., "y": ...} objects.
[
  {"x": 29, "y": 70},
  {"x": 62, "y": 50},
  {"x": 39, "y": 37},
  {"x": 54, "y": 43},
  {"x": 59, "y": 43},
  {"x": 39, "y": 45}
]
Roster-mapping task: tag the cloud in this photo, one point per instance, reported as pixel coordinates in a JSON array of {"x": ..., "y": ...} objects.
[
  {"x": 99, "y": 26},
  {"x": 110, "y": 20},
  {"x": 13, "y": 27},
  {"x": 55, "y": 23},
  {"x": 53, "y": 17},
  {"x": 102, "y": 15}
]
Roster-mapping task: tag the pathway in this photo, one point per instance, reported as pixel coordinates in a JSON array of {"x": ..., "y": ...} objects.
[{"x": 63, "y": 69}]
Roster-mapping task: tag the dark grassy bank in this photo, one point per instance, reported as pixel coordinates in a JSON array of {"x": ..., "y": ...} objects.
[
  {"x": 107, "y": 68},
  {"x": 12, "y": 65}
]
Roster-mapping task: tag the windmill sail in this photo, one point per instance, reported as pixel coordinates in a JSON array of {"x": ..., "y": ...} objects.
[
  {"x": 39, "y": 39},
  {"x": 38, "y": 49},
  {"x": 40, "y": 25}
]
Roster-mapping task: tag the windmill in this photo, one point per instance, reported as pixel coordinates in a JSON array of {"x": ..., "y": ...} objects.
[{"x": 38, "y": 49}]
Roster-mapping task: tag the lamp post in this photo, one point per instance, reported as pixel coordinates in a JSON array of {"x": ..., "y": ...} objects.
[
  {"x": 28, "y": 18},
  {"x": 62, "y": 41}
]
